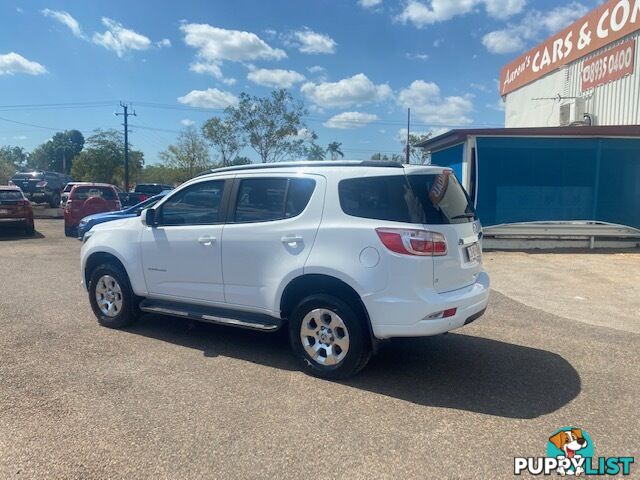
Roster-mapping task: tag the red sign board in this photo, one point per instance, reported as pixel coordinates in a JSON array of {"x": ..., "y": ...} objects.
[
  {"x": 609, "y": 22},
  {"x": 608, "y": 66}
]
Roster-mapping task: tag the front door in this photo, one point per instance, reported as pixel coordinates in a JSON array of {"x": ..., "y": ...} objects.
[{"x": 181, "y": 254}]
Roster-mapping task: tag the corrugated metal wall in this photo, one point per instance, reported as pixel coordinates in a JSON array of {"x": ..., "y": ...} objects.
[{"x": 617, "y": 102}]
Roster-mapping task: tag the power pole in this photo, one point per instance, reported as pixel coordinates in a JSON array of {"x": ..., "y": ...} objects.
[
  {"x": 408, "y": 130},
  {"x": 126, "y": 116}
]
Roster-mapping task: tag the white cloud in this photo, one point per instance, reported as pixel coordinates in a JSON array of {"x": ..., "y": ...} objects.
[
  {"x": 276, "y": 78},
  {"x": 427, "y": 103},
  {"x": 120, "y": 39},
  {"x": 164, "y": 43},
  {"x": 533, "y": 25},
  {"x": 417, "y": 56},
  {"x": 209, "y": 98},
  {"x": 12, "y": 63},
  {"x": 350, "y": 91},
  {"x": 347, "y": 120},
  {"x": 308, "y": 41},
  {"x": 187, "y": 122},
  {"x": 66, "y": 19},
  {"x": 316, "y": 69},
  {"x": 212, "y": 69},
  {"x": 215, "y": 44},
  {"x": 229, "y": 81},
  {"x": 369, "y": 3},
  {"x": 422, "y": 13}
]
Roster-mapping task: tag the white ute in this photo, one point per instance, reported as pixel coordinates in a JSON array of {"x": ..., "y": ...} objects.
[{"x": 340, "y": 253}]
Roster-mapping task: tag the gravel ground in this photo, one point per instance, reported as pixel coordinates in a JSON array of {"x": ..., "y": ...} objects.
[{"x": 168, "y": 399}]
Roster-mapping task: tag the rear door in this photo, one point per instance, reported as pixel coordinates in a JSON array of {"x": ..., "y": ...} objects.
[
  {"x": 447, "y": 210},
  {"x": 270, "y": 231}
]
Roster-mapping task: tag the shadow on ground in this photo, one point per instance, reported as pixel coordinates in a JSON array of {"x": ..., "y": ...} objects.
[
  {"x": 450, "y": 371},
  {"x": 9, "y": 234}
]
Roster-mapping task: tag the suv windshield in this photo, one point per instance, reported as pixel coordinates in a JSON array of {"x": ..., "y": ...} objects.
[{"x": 434, "y": 199}]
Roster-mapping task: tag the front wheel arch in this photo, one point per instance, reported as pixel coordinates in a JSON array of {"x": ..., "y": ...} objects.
[{"x": 98, "y": 258}]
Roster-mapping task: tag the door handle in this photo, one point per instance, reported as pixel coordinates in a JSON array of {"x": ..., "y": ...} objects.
[
  {"x": 206, "y": 240},
  {"x": 292, "y": 239}
]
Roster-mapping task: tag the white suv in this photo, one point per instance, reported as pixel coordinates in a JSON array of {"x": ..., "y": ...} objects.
[{"x": 340, "y": 253}]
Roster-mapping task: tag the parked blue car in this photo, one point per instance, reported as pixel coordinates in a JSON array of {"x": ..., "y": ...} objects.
[{"x": 88, "y": 222}]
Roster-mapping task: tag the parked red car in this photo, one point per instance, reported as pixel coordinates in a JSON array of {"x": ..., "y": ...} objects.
[
  {"x": 88, "y": 199},
  {"x": 15, "y": 209}
]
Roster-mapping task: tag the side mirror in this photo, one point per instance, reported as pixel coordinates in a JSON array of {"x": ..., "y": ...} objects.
[{"x": 148, "y": 217}]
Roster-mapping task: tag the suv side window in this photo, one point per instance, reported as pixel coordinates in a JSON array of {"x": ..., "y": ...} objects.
[
  {"x": 268, "y": 199},
  {"x": 198, "y": 204}
]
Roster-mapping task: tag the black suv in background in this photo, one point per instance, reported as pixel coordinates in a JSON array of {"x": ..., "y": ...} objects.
[
  {"x": 41, "y": 187},
  {"x": 144, "y": 191},
  {"x": 151, "y": 189}
]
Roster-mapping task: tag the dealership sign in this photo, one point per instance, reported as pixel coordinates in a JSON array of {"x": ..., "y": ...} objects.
[
  {"x": 610, "y": 22},
  {"x": 608, "y": 66}
]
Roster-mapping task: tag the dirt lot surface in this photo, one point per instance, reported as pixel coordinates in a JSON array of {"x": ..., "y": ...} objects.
[{"x": 169, "y": 399}]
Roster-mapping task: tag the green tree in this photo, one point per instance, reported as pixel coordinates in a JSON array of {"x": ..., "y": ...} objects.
[
  {"x": 333, "y": 149},
  {"x": 14, "y": 156},
  {"x": 225, "y": 137},
  {"x": 159, "y": 173},
  {"x": 416, "y": 155},
  {"x": 6, "y": 171},
  {"x": 271, "y": 125},
  {"x": 190, "y": 154},
  {"x": 57, "y": 153},
  {"x": 103, "y": 159},
  {"x": 315, "y": 152},
  {"x": 240, "y": 161}
]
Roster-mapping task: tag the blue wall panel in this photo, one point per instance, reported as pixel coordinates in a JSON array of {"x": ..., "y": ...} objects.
[
  {"x": 542, "y": 179},
  {"x": 450, "y": 157}
]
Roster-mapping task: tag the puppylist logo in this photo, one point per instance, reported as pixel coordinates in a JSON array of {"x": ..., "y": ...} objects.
[{"x": 570, "y": 452}]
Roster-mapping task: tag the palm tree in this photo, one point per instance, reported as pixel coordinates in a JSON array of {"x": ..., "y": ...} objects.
[
  {"x": 334, "y": 150},
  {"x": 315, "y": 152}
]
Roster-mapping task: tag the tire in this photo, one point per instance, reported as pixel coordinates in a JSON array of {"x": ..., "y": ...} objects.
[
  {"x": 30, "y": 230},
  {"x": 70, "y": 232},
  {"x": 119, "y": 292},
  {"x": 340, "y": 322},
  {"x": 54, "y": 201}
]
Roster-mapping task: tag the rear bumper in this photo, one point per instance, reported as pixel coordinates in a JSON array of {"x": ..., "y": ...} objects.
[
  {"x": 405, "y": 316},
  {"x": 10, "y": 220}
]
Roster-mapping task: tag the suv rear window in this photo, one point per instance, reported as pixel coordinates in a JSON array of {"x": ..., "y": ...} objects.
[
  {"x": 434, "y": 199},
  {"x": 82, "y": 193},
  {"x": 27, "y": 176},
  {"x": 10, "y": 195},
  {"x": 268, "y": 199}
]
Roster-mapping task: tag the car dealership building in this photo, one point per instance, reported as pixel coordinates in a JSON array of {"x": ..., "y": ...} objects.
[{"x": 568, "y": 162}]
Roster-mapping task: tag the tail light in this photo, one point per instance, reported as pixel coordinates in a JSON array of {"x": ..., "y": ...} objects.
[
  {"x": 413, "y": 242},
  {"x": 118, "y": 205},
  {"x": 142, "y": 198},
  {"x": 24, "y": 203},
  {"x": 41, "y": 184}
]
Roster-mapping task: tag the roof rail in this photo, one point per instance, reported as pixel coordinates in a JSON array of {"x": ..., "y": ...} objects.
[{"x": 308, "y": 163}]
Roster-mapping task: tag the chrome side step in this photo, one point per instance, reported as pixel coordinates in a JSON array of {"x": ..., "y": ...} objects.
[{"x": 220, "y": 316}]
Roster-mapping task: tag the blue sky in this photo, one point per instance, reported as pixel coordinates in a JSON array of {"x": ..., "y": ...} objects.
[{"x": 357, "y": 64}]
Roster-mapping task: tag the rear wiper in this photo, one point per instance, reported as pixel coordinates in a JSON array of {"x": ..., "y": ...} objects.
[{"x": 464, "y": 215}]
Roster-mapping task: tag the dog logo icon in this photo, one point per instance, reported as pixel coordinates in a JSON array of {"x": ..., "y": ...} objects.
[{"x": 572, "y": 444}]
